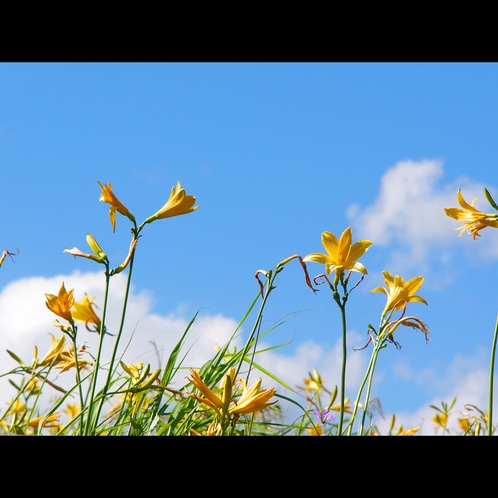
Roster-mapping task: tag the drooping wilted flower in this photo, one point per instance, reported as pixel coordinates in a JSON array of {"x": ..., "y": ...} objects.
[{"x": 109, "y": 197}]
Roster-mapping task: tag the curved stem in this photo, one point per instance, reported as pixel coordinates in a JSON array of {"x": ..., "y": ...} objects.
[
  {"x": 491, "y": 376},
  {"x": 257, "y": 323}
]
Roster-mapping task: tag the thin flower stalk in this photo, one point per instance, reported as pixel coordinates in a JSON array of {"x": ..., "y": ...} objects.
[
  {"x": 385, "y": 335},
  {"x": 474, "y": 221},
  {"x": 265, "y": 290},
  {"x": 61, "y": 305},
  {"x": 121, "y": 324},
  {"x": 491, "y": 377},
  {"x": 341, "y": 256},
  {"x": 93, "y": 416}
]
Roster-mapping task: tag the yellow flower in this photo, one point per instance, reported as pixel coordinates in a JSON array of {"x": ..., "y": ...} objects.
[
  {"x": 67, "y": 360},
  {"x": 214, "y": 429},
  {"x": 471, "y": 219},
  {"x": 72, "y": 410},
  {"x": 178, "y": 203},
  {"x": 133, "y": 370},
  {"x": 440, "y": 419},
  {"x": 408, "y": 432},
  {"x": 464, "y": 423},
  {"x": 341, "y": 254},
  {"x": 315, "y": 431},
  {"x": 84, "y": 312},
  {"x": 17, "y": 408},
  {"x": 51, "y": 421},
  {"x": 337, "y": 406},
  {"x": 210, "y": 399},
  {"x": 33, "y": 386},
  {"x": 108, "y": 196},
  {"x": 55, "y": 351},
  {"x": 252, "y": 399},
  {"x": 314, "y": 382},
  {"x": 400, "y": 293},
  {"x": 61, "y": 304}
]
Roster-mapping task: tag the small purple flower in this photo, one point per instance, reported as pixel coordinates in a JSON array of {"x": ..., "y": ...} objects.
[{"x": 325, "y": 417}]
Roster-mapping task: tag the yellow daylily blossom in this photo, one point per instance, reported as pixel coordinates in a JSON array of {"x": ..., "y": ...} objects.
[
  {"x": 214, "y": 429},
  {"x": 17, "y": 408},
  {"x": 33, "y": 386},
  {"x": 464, "y": 423},
  {"x": 471, "y": 219},
  {"x": 315, "y": 431},
  {"x": 61, "y": 304},
  {"x": 252, "y": 399},
  {"x": 408, "y": 432},
  {"x": 178, "y": 203},
  {"x": 440, "y": 419},
  {"x": 72, "y": 410},
  {"x": 109, "y": 197},
  {"x": 314, "y": 382},
  {"x": 50, "y": 421},
  {"x": 67, "y": 360},
  {"x": 337, "y": 406},
  {"x": 84, "y": 312},
  {"x": 341, "y": 253},
  {"x": 55, "y": 351},
  {"x": 210, "y": 398},
  {"x": 133, "y": 370},
  {"x": 400, "y": 293}
]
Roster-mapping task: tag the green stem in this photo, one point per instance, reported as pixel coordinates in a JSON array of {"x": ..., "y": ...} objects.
[
  {"x": 78, "y": 376},
  {"x": 118, "y": 337},
  {"x": 360, "y": 391},
  {"x": 491, "y": 376},
  {"x": 121, "y": 325},
  {"x": 257, "y": 322},
  {"x": 375, "y": 355},
  {"x": 343, "y": 369},
  {"x": 97, "y": 360}
]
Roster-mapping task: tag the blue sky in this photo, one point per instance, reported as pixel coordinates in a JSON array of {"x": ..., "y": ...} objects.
[{"x": 275, "y": 154}]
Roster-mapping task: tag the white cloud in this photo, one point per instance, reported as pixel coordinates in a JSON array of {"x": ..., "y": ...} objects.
[
  {"x": 25, "y": 322},
  {"x": 463, "y": 379},
  {"x": 408, "y": 220}
]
